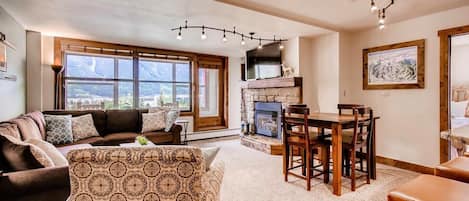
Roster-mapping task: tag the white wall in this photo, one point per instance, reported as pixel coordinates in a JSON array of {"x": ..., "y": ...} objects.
[
  {"x": 13, "y": 94},
  {"x": 409, "y": 126},
  {"x": 234, "y": 90},
  {"x": 291, "y": 55}
]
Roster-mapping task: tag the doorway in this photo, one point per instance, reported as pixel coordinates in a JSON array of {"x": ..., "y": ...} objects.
[{"x": 453, "y": 97}]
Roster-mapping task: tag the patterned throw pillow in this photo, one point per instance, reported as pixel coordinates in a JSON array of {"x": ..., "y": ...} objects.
[
  {"x": 59, "y": 129},
  {"x": 53, "y": 153},
  {"x": 171, "y": 117},
  {"x": 153, "y": 121},
  {"x": 83, "y": 127}
]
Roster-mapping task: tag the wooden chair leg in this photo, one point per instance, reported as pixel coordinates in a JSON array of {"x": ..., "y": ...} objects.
[
  {"x": 325, "y": 163},
  {"x": 361, "y": 159},
  {"x": 368, "y": 170},
  {"x": 286, "y": 157},
  {"x": 308, "y": 168},
  {"x": 352, "y": 168}
]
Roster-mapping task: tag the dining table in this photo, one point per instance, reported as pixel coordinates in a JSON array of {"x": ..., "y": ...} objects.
[{"x": 338, "y": 122}]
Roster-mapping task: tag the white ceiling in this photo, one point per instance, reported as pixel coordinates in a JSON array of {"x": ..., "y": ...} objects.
[
  {"x": 349, "y": 15},
  {"x": 148, "y": 22}
]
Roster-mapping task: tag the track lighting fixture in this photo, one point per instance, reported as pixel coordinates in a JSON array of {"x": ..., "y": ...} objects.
[
  {"x": 203, "y": 36},
  {"x": 179, "y": 37},
  {"x": 381, "y": 13}
]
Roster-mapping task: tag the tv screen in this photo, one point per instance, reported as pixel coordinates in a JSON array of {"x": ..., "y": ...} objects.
[{"x": 264, "y": 63}]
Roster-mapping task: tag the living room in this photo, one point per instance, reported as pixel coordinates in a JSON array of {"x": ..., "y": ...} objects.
[{"x": 233, "y": 100}]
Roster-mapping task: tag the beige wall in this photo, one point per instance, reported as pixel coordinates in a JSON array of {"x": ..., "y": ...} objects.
[
  {"x": 409, "y": 126},
  {"x": 291, "y": 54},
  {"x": 13, "y": 93}
]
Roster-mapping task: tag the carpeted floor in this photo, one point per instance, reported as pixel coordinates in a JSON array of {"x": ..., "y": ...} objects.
[{"x": 251, "y": 175}]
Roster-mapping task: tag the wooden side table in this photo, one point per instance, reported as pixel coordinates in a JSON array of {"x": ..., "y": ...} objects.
[{"x": 184, "y": 124}]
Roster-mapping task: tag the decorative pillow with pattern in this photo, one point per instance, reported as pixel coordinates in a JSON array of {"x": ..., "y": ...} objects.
[
  {"x": 83, "y": 127},
  {"x": 59, "y": 129},
  {"x": 153, "y": 121},
  {"x": 171, "y": 117},
  {"x": 54, "y": 154}
]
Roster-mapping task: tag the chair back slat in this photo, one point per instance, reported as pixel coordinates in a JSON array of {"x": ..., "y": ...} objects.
[
  {"x": 291, "y": 120},
  {"x": 362, "y": 129},
  {"x": 348, "y": 107}
]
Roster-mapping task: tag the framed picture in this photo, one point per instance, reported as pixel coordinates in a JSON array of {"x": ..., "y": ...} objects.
[
  {"x": 3, "y": 58},
  {"x": 396, "y": 66}
]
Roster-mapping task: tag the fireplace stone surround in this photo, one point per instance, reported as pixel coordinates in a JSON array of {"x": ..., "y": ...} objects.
[{"x": 286, "y": 91}]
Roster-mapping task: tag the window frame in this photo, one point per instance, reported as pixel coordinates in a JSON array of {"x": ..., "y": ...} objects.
[
  {"x": 174, "y": 82},
  {"x": 135, "y": 78}
]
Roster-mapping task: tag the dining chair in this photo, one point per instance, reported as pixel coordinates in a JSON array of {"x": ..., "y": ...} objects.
[
  {"x": 347, "y": 108},
  {"x": 297, "y": 134},
  {"x": 361, "y": 138}
]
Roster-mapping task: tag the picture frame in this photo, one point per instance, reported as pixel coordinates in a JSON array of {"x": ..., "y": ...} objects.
[
  {"x": 395, "y": 66},
  {"x": 3, "y": 58}
]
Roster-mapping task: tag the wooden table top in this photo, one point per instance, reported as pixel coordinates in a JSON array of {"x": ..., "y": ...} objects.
[{"x": 330, "y": 117}]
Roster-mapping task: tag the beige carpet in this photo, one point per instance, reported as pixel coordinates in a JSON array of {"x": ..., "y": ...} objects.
[{"x": 251, "y": 175}]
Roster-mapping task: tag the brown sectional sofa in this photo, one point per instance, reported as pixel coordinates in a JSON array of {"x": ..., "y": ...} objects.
[{"x": 53, "y": 184}]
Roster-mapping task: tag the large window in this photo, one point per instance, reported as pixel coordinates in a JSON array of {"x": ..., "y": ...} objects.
[
  {"x": 108, "y": 82},
  {"x": 164, "y": 82}
]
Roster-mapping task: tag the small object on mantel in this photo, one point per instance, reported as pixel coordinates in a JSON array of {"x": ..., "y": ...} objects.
[{"x": 9, "y": 77}]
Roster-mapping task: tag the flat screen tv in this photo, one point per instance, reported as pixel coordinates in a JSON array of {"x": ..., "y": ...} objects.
[{"x": 264, "y": 63}]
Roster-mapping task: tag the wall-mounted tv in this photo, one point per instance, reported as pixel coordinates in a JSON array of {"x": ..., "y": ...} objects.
[{"x": 264, "y": 63}]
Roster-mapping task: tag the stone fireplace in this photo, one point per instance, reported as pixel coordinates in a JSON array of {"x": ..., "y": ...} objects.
[{"x": 272, "y": 95}]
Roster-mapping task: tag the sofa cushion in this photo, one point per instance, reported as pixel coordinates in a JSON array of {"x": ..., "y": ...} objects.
[
  {"x": 22, "y": 156},
  {"x": 153, "y": 121},
  {"x": 119, "y": 138},
  {"x": 59, "y": 129},
  {"x": 54, "y": 154},
  {"x": 457, "y": 169},
  {"x": 430, "y": 188},
  {"x": 83, "y": 127},
  {"x": 96, "y": 141},
  {"x": 171, "y": 117},
  {"x": 10, "y": 129},
  {"x": 209, "y": 155},
  {"x": 119, "y": 121},
  {"x": 38, "y": 118},
  {"x": 28, "y": 128},
  {"x": 99, "y": 117},
  {"x": 65, "y": 149}
]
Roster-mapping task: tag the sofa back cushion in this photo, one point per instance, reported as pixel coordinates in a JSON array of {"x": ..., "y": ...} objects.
[
  {"x": 99, "y": 117},
  {"x": 38, "y": 118},
  {"x": 28, "y": 128},
  {"x": 120, "y": 121},
  {"x": 10, "y": 129}
]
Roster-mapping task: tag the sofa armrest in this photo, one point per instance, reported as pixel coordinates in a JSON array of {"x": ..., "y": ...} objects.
[
  {"x": 212, "y": 180},
  {"x": 32, "y": 181},
  {"x": 176, "y": 131}
]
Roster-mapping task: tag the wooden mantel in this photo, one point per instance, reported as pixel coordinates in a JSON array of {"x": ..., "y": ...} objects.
[{"x": 273, "y": 83}]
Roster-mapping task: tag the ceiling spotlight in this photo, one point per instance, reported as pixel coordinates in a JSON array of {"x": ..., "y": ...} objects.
[
  {"x": 179, "y": 37},
  {"x": 242, "y": 41},
  {"x": 281, "y": 46},
  {"x": 203, "y": 36},
  {"x": 373, "y": 6},
  {"x": 382, "y": 17},
  {"x": 382, "y": 26},
  {"x": 224, "y": 37},
  {"x": 260, "y": 45}
]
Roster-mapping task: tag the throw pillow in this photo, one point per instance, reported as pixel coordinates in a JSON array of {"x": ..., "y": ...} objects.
[
  {"x": 54, "y": 154},
  {"x": 171, "y": 117},
  {"x": 153, "y": 121},
  {"x": 28, "y": 128},
  {"x": 23, "y": 156},
  {"x": 10, "y": 129},
  {"x": 209, "y": 155},
  {"x": 59, "y": 129},
  {"x": 158, "y": 109},
  {"x": 83, "y": 127}
]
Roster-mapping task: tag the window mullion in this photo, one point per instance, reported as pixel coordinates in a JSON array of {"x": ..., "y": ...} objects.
[{"x": 116, "y": 84}]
